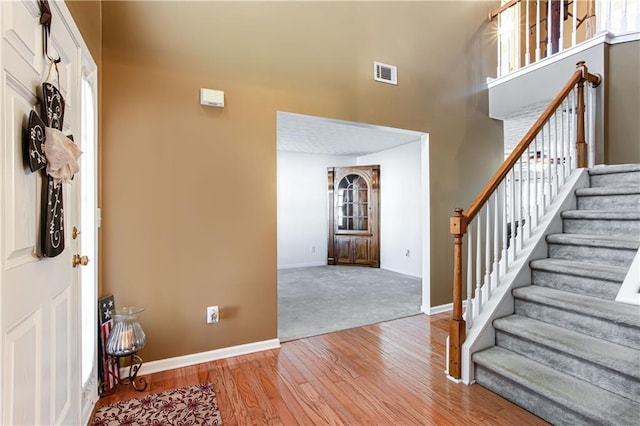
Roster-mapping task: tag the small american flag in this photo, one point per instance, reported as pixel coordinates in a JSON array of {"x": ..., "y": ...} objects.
[{"x": 109, "y": 372}]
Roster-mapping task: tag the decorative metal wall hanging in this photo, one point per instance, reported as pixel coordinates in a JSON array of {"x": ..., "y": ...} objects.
[
  {"x": 52, "y": 209},
  {"x": 59, "y": 165}
]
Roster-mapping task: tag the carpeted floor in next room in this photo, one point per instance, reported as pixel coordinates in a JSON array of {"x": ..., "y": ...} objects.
[{"x": 323, "y": 299}]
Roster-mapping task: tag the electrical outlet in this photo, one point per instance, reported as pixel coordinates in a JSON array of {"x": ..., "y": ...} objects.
[
  {"x": 213, "y": 315},
  {"x": 313, "y": 249}
]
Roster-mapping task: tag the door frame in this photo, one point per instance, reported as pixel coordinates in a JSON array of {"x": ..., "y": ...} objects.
[
  {"x": 425, "y": 197},
  {"x": 89, "y": 392}
]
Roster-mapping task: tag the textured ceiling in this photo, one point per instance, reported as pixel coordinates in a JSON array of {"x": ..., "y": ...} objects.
[{"x": 317, "y": 135}]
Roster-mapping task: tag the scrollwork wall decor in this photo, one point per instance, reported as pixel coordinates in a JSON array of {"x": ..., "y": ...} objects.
[{"x": 54, "y": 154}]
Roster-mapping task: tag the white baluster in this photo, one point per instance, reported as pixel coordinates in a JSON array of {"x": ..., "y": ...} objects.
[
  {"x": 555, "y": 153},
  {"x": 530, "y": 177},
  {"x": 505, "y": 251},
  {"x": 527, "y": 41},
  {"x": 519, "y": 212},
  {"x": 623, "y": 18},
  {"x": 470, "y": 311},
  {"x": 549, "y": 168},
  {"x": 479, "y": 291},
  {"x": 591, "y": 99},
  {"x": 544, "y": 157},
  {"x": 538, "y": 23},
  {"x": 570, "y": 120},
  {"x": 487, "y": 256},
  {"x": 536, "y": 190},
  {"x": 563, "y": 138},
  {"x": 512, "y": 215},
  {"x": 574, "y": 152},
  {"x": 496, "y": 240}
]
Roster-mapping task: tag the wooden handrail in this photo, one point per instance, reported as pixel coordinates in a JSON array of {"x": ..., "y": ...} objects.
[
  {"x": 581, "y": 74},
  {"x": 460, "y": 220},
  {"x": 498, "y": 11}
]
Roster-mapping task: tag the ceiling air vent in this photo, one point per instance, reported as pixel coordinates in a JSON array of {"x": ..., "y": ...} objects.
[{"x": 385, "y": 73}]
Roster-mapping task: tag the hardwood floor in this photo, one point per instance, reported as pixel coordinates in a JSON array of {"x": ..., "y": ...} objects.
[{"x": 383, "y": 374}]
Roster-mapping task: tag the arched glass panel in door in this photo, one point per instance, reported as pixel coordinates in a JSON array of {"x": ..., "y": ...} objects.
[{"x": 353, "y": 204}]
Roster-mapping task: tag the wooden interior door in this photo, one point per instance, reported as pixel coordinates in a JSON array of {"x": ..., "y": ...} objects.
[{"x": 354, "y": 216}]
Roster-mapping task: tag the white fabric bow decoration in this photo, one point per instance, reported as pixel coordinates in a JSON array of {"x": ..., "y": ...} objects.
[{"x": 62, "y": 155}]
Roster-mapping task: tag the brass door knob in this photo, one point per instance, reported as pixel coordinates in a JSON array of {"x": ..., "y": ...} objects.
[
  {"x": 79, "y": 260},
  {"x": 74, "y": 233}
]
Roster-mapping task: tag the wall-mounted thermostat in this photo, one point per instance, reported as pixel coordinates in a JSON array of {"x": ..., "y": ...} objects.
[{"x": 211, "y": 97}]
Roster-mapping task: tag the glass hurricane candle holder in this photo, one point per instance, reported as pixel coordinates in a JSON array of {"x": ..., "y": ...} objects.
[{"x": 125, "y": 339}]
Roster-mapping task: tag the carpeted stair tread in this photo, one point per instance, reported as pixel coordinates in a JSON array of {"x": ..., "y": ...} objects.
[
  {"x": 607, "y": 354},
  {"x": 607, "y": 190},
  {"x": 610, "y": 241},
  {"x": 620, "y": 313},
  {"x": 602, "y": 214},
  {"x": 592, "y": 402},
  {"x": 581, "y": 269},
  {"x": 616, "y": 168}
]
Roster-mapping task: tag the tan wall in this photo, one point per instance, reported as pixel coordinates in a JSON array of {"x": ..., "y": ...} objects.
[
  {"x": 622, "y": 110},
  {"x": 87, "y": 15},
  {"x": 189, "y": 201}
]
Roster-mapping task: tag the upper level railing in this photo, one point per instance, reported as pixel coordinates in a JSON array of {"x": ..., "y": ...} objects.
[
  {"x": 531, "y": 30},
  {"x": 500, "y": 220}
]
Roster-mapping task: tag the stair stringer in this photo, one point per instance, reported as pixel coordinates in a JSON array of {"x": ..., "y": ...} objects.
[
  {"x": 482, "y": 334},
  {"x": 630, "y": 288}
]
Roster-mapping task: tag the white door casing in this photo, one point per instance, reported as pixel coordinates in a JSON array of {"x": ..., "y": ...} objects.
[
  {"x": 39, "y": 297},
  {"x": 88, "y": 240}
]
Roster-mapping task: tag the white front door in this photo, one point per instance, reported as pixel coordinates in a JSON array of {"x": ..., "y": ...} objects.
[{"x": 40, "y": 351}]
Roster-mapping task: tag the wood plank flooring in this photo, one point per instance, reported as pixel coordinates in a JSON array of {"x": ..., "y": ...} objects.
[{"x": 384, "y": 374}]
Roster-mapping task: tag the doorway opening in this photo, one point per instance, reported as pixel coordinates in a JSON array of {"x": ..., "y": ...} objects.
[{"x": 307, "y": 147}]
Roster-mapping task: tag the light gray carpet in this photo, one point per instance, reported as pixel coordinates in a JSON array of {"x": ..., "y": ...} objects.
[{"x": 323, "y": 299}]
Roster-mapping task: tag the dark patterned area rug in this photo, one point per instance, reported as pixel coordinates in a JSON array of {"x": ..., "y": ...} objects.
[{"x": 195, "y": 405}]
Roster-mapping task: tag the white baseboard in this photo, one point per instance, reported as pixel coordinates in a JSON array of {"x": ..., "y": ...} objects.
[
  {"x": 302, "y": 265},
  {"x": 398, "y": 271},
  {"x": 447, "y": 307},
  {"x": 198, "y": 358},
  {"x": 432, "y": 310}
]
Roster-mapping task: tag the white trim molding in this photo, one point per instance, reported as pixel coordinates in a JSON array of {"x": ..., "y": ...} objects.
[
  {"x": 447, "y": 307},
  {"x": 302, "y": 265},
  {"x": 198, "y": 358},
  {"x": 433, "y": 310},
  {"x": 600, "y": 38},
  {"x": 630, "y": 288}
]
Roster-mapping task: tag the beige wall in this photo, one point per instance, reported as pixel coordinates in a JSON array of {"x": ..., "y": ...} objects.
[
  {"x": 87, "y": 15},
  {"x": 622, "y": 110},
  {"x": 189, "y": 199}
]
